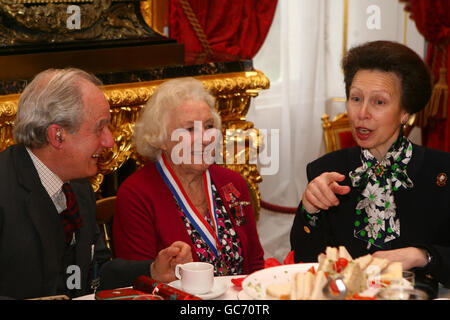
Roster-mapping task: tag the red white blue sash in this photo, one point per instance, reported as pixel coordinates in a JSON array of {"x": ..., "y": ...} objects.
[{"x": 209, "y": 235}]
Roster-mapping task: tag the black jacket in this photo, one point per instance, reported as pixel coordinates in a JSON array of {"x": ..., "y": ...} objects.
[{"x": 424, "y": 211}]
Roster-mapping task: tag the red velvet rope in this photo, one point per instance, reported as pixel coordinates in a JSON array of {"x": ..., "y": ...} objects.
[{"x": 279, "y": 209}]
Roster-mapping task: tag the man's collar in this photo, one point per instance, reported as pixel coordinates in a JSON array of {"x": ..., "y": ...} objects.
[{"x": 51, "y": 182}]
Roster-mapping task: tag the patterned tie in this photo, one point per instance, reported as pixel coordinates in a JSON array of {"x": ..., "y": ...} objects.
[{"x": 71, "y": 218}]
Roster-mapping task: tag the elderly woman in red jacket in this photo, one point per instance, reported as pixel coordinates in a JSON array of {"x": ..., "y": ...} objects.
[{"x": 180, "y": 194}]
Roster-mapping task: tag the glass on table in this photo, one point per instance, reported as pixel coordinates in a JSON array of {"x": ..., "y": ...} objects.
[
  {"x": 401, "y": 293},
  {"x": 402, "y": 289},
  {"x": 406, "y": 281},
  {"x": 409, "y": 276}
]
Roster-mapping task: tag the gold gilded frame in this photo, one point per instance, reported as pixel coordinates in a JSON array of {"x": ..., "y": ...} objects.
[
  {"x": 60, "y": 1},
  {"x": 156, "y": 14},
  {"x": 331, "y": 130},
  {"x": 233, "y": 93}
]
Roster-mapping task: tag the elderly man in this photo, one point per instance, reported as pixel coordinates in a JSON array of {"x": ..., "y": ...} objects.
[{"x": 49, "y": 240}]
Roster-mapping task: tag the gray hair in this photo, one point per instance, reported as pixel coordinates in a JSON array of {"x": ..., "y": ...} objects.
[
  {"x": 53, "y": 97},
  {"x": 150, "y": 132}
]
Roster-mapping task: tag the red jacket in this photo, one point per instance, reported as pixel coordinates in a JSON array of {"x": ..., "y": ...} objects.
[{"x": 147, "y": 219}]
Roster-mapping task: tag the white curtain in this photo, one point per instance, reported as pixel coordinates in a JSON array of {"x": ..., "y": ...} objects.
[{"x": 293, "y": 57}]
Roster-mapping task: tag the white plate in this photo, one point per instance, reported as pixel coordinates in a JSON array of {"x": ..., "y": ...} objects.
[
  {"x": 243, "y": 296},
  {"x": 255, "y": 284},
  {"x": 217, "y": 290}
]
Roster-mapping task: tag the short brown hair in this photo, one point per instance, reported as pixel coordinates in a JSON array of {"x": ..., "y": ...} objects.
[{"x": 393, "y": 57}]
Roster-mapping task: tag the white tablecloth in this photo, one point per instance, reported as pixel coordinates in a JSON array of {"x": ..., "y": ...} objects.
[
  {"x": 236, "y": 293},
  {"x": 231, "y": 293}
]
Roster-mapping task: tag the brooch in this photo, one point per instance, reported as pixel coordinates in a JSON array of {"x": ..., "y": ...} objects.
[
  {"x": 441, "y": 180},
  {"x": 379, "y": 170},
  {"x": 231, "y": 193},
  {"x": 237, "y": 210},
  {"x": 236, "y": 207}
]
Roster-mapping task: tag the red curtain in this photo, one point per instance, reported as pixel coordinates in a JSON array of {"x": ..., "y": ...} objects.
[
  {"x": 218, "y": 30},
  {"x": 432, "y": 18}
]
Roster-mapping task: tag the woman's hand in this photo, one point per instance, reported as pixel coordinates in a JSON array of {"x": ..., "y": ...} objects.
[
  {"x": 320, "y": 193},
  {"x": 410, "y": 257},
  {"x": 163, "y": 268}
]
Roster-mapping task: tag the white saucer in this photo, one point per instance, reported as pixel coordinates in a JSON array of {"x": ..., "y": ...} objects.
[{"x": 218, "y": 289}]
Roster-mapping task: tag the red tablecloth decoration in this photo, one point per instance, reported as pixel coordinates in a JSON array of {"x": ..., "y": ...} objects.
[
  {"x": 148, "y": 285},
  {"x": 118, "y": 294}
]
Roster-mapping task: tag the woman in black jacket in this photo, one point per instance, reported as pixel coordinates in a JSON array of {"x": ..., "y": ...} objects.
[{"x": 387, "y": 196}]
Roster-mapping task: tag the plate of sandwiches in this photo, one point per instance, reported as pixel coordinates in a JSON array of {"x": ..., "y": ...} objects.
[{"x": 364, "y": 277}]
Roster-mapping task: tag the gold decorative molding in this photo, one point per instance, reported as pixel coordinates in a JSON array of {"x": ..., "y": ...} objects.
[
  {"x": 156, "y": 14},
  {"x": 233, "y": 92},
  {"x": 345, "y": 29},
  {"x": 8, "y": 109},
  {"x": 45, "y": 1},
  {"x": 58, "y": 1},
  {"x": 52, "y": 16},
  {"x": 405, "y": 27},
  {"x": 45, "y": 21},
  {"x": 332, "y": 129}
]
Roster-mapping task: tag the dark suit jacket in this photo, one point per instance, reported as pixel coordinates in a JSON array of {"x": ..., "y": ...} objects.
[
  {"x": 424, "y": 211},
  {"x": 32, "y": 240}
]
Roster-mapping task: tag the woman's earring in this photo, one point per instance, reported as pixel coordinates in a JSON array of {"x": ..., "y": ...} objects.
[{"x": 404, "y": 122}]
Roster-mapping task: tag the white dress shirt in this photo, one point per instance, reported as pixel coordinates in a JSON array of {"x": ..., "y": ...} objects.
[{"x": 51, "y": 182}]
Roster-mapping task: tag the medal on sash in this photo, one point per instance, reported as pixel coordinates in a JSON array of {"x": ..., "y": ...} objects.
[
  {"x": 236, "y": 207},
  {"x": 209, "y": 234},
  {"x": 237, "y": 210}
]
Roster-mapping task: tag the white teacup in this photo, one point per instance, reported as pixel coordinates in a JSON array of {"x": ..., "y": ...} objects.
[{"x": 195, "y": 277}]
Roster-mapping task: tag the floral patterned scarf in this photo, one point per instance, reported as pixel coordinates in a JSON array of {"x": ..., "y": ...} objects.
[{"x": 376, "y": 219}]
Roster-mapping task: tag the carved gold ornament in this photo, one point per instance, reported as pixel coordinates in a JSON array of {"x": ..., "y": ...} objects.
[
  {"x": 46, "y": 21},
  {"x": 156, "y": 14}
]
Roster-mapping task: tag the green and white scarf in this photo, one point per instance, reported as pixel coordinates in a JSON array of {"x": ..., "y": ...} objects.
[{"x": 377, "y": 221}]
